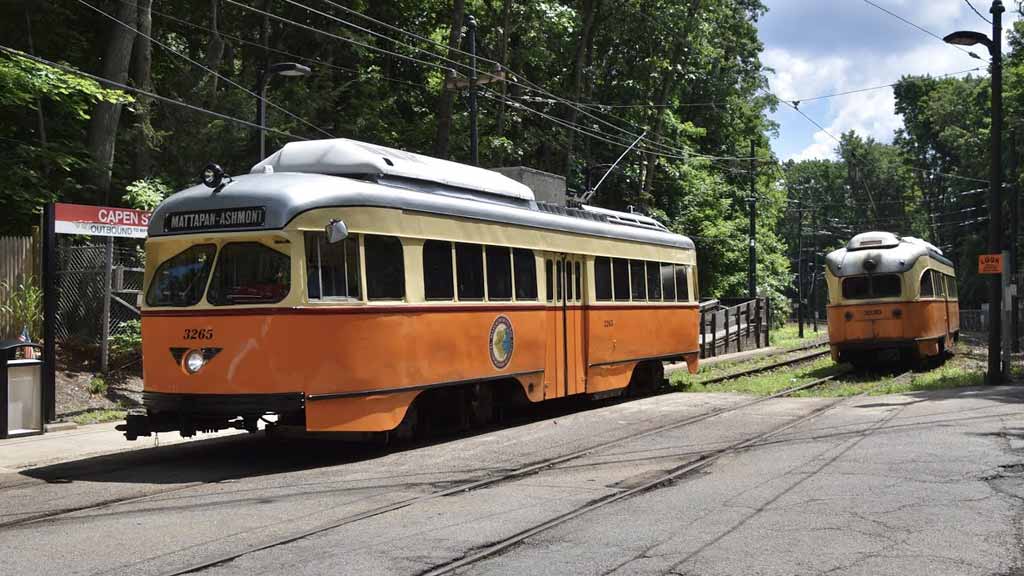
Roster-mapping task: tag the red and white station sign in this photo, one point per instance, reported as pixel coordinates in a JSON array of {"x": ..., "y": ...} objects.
[{"x": 100, "y": 221}]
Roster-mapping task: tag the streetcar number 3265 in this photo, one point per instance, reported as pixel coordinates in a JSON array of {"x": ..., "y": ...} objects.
[{"x": 198, "y": 333}]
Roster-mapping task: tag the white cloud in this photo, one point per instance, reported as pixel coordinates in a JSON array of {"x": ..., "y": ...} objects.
[
  {"x": 861, "y": 57},
  {"x": 871, "y": 113}
]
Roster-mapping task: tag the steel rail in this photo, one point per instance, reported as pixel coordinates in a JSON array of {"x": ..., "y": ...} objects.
[
  {"x": 485, "y": 482},
  {"x": 700, "y": 462}
]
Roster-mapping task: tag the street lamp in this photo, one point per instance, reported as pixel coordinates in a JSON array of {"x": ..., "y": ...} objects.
[
  {"x": 280, "y": 69},
  {"x": 995, "y": 244}
]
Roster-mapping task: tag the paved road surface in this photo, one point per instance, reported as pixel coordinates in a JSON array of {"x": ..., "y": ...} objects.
[{"x": 927, "y": 483}]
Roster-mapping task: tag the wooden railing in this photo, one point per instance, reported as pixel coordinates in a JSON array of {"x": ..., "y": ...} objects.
[{"x": 733, "y": 325}]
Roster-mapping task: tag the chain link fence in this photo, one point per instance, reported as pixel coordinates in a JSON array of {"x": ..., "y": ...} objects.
[{"x": 83, "y": 269}]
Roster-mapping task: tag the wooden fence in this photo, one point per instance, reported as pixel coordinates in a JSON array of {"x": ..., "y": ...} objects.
[
  {"x": 733, "y": 325},
  {"x": 17, "y": 265}
]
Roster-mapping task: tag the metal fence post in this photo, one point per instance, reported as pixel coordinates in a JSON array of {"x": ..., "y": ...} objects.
[
  {"x": 714, "y": 333},
  {"x": 726, "y": 323},
  {"x": 108, "y": 268}
]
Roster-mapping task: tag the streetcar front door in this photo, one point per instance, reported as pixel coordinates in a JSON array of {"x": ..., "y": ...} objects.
[{"x": 565, "y": 372}]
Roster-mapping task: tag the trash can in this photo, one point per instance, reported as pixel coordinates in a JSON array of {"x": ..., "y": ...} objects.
[{"x": 21, "y": 391}]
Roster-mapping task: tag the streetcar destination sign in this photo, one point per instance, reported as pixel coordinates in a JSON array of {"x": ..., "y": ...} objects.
[{"x": 246, "y": 217}]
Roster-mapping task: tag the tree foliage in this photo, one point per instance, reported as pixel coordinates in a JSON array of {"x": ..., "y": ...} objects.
[{"x": 583, "y": 79}]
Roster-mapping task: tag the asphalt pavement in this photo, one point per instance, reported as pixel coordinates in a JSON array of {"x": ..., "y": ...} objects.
[{"x": 924, "y": 483}]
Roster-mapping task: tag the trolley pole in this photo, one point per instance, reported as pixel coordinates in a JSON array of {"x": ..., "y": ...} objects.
[
  {"x": 752, "y": 209},
  {"x": 814, "y": 271},
  {"x": 473, "y": 134}
]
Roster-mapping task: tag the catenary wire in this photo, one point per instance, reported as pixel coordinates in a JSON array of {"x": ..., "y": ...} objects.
[
  {"x": 206, "y": 68},
  {"x": 147, "y": 93},
  {"x": 922, "y": 29}
]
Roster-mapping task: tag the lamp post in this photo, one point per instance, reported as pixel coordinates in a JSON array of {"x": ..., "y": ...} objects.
[
  {"x": 995, "y": 243},
  {"x": 279, "y": 69}
]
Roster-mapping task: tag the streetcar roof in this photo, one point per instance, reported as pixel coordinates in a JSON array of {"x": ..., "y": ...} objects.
[
  {"x": 344, "y": 157},
  {"x": 881, "y": 253},
  {"x": 281, "y": 196}
]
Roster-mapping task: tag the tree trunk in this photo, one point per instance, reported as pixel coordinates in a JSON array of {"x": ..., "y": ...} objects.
[
  {"x": 214, "y": 51},
  {"x": 40, "y": 116},
  {"x": 446, "y": 99},
  {"x": 142, "y": 59},
  {"x": 106, "y": 116},
  {"x": 506, "y": 24},
  {"x": 583, "y": 46},
  {"x": 667, "y": 84}
]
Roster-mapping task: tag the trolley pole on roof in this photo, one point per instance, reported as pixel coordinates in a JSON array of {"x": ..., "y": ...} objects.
[
  {"x": 752, "y": 209},
  {"x": 473, "y": 134}
]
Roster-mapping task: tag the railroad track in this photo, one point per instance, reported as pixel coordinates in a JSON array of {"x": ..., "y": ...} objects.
[
  {"x": 774, "y": 365},
  {"x": 699, "y": 462},
  {"x": 529, "y": 469}
]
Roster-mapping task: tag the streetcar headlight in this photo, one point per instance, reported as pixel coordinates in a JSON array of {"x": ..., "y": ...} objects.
[{"x": 194, "y": 361}]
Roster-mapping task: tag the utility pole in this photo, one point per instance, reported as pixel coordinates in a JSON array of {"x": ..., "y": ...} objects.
[
  {"x": 814, "y": 271},
  {"x": 752, "y": 210},
  {"x": 800, "y": 266},
  {"x": 474, "y": 136},
  {"x": 1014, "y": 231},
  {"x": 995, "y": 204}
]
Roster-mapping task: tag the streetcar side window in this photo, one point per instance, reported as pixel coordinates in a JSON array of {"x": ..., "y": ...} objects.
[
  {"x": 927, "y": 289},
  {"x": 603, "y": 277},
  {"x": 940, "y": 284},
  {"x": 332, "y": 270},
  {"x": 558, "y": 281},
  {"x": 668, "y": 282},
  {"x": 548, "y": 279},
  {"x": 438, "y": 277},
  {"x": 249, "y": 273},
  {"x": 526, "y": 274},
  {"x": 682, "y": 285},
  {"x": 638, "y": 280},
  {"x": 952, "y": 289},
  {"x": 181, "y": 279},
  {"x": 620, "y": 279},
  {"x": 579, "y": 282},
  {"x": 499, "y": 273},
  {"x": 385, "y": 267},
  {"x": 654, "y": 281},
  {"x": 469, "y": 266}
]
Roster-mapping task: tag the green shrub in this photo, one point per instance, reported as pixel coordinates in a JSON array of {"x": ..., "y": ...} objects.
[
  {"x": 97, "y": 385},
  {"x": 24, "y": 304},
  {"x": 126, "y": 342}
]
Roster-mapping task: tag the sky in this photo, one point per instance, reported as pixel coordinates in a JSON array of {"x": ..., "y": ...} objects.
[{"x": 819, "y": 47}]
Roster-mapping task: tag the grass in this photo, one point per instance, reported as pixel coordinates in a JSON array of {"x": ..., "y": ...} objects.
[
  {"x": 98, "y": 416},
  {"x": 956, "y": 372},
  {"x": 789, "y": 335}
]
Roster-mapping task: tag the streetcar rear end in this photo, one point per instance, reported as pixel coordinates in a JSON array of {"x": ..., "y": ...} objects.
[{"x": 890, "y": 296}]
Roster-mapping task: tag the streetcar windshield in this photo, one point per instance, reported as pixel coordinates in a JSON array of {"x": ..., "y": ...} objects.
[
  {"x": 249, "y": 273},
  {"x": 865, "y": 287},
  {"x": 181, "y": 279}
]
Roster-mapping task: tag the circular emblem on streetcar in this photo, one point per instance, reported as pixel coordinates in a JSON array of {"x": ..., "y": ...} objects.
[{"x": 502, "y": 342}]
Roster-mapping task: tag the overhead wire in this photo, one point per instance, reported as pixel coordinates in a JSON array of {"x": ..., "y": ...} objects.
[
  {"x": 978, "y": 13},
  {"x": 315, "y": 61},
  {"x": 922, "y": 29},
  {"x": 520, "y": 78},
  {"x": 147, "y": 93},
  {"x": 206, "y": 68}
]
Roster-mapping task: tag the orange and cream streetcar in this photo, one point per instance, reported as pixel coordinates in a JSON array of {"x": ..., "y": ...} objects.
[
  {"x": 347, "y": 287},
  {"x": 890, "y": 293}
]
